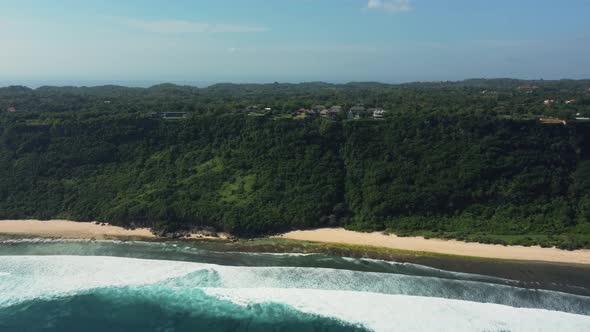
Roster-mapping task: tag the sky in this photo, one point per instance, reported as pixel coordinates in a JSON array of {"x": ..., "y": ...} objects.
[{"x": 292, "y": 40}]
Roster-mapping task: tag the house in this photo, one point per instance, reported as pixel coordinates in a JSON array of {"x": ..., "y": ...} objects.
[
  {"x": 11, "y": 109},
  {"x": 336, "y": 109},
  {"x": 582, "y": 119},
  {"x": 304, "y": 112},
  {"x": 378, "y": 113},
  {"x": 318, "y": 108},
  {"x": 107, "y": 101},
  {"x": 548, "y": 102},
  {"x": 329, "y": 113},
  {"x": 373, "y": 109},
  {"x": 268, "y": 109},
  {"x": 571, "y": 101}
]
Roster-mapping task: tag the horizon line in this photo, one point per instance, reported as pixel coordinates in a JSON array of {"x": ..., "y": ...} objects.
[{"x": 145, "y": 84}]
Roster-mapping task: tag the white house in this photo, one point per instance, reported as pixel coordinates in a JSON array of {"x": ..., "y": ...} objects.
[{"x": 378, "y": 113}]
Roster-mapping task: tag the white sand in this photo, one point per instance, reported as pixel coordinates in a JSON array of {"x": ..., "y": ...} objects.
[
  {"x": 78, "y": 230},
  {"x": 450, "y": 247},
  {"x": 69, "y": 229}
]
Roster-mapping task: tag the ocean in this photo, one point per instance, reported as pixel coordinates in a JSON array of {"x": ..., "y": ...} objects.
[{"x": 52, "y": 285}]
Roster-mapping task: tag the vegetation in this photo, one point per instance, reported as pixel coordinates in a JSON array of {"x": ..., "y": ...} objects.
[{"x": 447, "y": 161}]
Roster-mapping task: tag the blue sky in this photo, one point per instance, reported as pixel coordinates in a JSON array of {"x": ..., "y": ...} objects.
[{"x": 293, "y": 40}]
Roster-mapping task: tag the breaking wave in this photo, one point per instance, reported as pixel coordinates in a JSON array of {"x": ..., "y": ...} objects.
[{"x": 65, "y": 290}]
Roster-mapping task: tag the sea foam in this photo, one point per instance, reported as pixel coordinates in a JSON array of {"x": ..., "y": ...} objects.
[
  {"x": 33, "y": 277},
  {"x": 381, "y": 301},
  {"x": 383, "y": 312}
]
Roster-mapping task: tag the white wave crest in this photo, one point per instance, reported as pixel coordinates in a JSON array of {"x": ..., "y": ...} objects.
[
  {"x": 380, "y": 301},
  {"x": 383, "y": 312},
  {"x": 32, "y": 277}
]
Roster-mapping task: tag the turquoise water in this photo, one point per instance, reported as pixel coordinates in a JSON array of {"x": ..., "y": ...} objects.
[{"x": 115, "y": 286}]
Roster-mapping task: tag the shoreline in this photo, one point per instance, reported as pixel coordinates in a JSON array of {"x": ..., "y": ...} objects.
[
  {"x": 64, "y": 229},
  {"x": 558, "y": 275},
  {"x": 440, "y": 246}
]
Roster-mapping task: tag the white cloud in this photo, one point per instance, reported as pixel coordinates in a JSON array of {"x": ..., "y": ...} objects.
[
  {"x": 393, "y": 6},
  {"x": 181, "y": 26}
]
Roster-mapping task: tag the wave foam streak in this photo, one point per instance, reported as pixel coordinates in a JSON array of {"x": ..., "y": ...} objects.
[
  {"x": 382, "y": 312},
  {"x": 380, "y": 301}
]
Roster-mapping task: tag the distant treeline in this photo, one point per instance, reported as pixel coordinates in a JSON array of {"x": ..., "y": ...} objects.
[
  {"x": 499, "y": 97},
  {"x": 474, "y": 176}
]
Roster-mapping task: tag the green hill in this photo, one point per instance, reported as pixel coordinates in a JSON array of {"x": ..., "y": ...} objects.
[{"x": 472, "y": 177}]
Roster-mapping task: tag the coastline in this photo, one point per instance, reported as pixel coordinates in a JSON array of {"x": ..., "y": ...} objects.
[
  {"x": 64, "y": 229},
  {"x": 439, "y": 246},
  {"x": 564, "y": 275}
]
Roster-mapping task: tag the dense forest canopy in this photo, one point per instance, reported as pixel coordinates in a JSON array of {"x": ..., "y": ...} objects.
[
  {"x": 469, "y": 159},
  {"x": 502, "y": 97}
]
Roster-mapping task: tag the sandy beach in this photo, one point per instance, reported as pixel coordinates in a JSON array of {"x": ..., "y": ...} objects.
[
  {"x": 86, "y": 230},
  {"x": 79, "y": 230},
  {"x": 450, "y": 247},
  {"x": 69, "y": 229}
]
